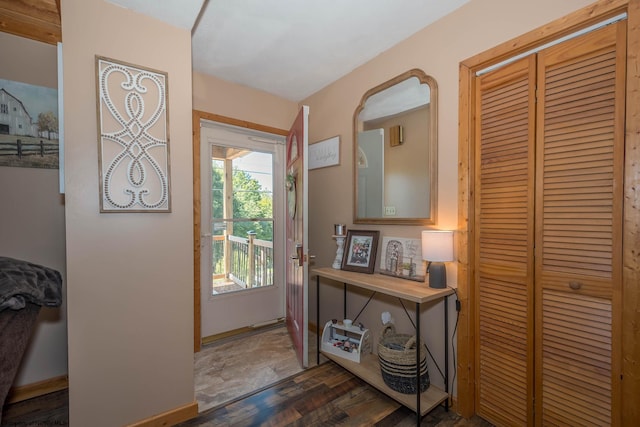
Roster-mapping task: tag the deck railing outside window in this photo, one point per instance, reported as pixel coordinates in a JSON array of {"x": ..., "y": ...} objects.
[{"x": 249, "y": 263}]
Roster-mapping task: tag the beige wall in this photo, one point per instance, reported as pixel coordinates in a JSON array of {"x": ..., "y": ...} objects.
[
  {"x": 438, "y": 49},
  {"x": 32, "y": 214},
  {"x": 130, "y": 275},
  {"x": 216, "y": 96}
]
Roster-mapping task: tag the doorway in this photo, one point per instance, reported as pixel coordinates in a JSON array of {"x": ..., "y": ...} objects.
[{"x": 241, "y": 233}]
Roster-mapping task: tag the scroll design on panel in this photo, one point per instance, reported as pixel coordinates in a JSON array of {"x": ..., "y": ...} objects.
[{"x": 133, "y": 137}]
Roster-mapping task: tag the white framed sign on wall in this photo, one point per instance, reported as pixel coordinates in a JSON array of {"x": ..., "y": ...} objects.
[{"x": 324, "y": 153}]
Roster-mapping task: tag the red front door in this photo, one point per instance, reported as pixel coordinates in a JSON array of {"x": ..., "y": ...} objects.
[{"x": 297, "y": 236}]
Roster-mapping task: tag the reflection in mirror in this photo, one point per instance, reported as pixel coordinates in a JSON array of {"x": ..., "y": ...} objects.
[{"x": 395, "y": 152}]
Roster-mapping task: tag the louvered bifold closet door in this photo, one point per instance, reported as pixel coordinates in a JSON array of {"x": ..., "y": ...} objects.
[
  {"x": 578, "y": 227},
  {"x": 504, "y": 243}
]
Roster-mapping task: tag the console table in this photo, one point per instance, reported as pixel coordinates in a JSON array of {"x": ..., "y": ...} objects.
[{"x": 369, "y": 369}]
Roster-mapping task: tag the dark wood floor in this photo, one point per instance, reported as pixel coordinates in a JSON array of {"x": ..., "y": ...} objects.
[
  {"x": 50, "y": 410},
  {"x": 325, "y": 395}
]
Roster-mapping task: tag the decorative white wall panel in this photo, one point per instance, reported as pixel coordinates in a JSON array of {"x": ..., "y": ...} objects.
[{"x": 133, "y": 131}]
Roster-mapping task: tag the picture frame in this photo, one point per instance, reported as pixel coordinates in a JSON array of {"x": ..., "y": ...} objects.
[
  {"x": 324, "y": 153},
  {"x": 29, "y": 126},
  {"x": 402, "y": 257},
  {"x": 133, "y": 137},
  {"x": 361, "y": 247}
]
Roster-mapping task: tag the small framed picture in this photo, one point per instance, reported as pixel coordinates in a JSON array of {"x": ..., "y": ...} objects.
[
  {"x": 402, "y": 258},
  {"x": 360, "y": 251}
]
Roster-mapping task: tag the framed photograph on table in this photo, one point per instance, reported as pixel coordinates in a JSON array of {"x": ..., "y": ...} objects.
[
  {"x": 402, "y": 258},
  {"x": 361, "y": 247}
]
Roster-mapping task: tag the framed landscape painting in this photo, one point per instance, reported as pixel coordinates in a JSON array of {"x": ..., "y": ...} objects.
[{"x": 28, "y": 125}]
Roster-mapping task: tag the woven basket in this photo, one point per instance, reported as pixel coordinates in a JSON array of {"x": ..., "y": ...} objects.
[{"x": 397, "y": 356}]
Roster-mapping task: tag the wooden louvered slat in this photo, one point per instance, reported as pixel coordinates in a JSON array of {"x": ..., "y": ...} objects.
[
  {"x": 573, "y": 134},
  {"x": 593, "y": 118},
  {"x": 504, "y": 218},
  {"x": 510, "y": 168},
  {"x": 597, "y": 91},
  {"x": 575, "y": 378},
  {"x": 574, "y": 101},
  {"x": 502, "y": 382},
  {"x": 500, "y": 94},
  {"x": 596, "y": 105},
  {"x": 580, "y": 160},
  {"x": 511, "y": 361},
  {"x": 504, "y": 313},
  {"x": 564, "y": 391},
  {"x": 504, "y": 356},
  {"x": 501, "y": 149},
  {"x": 580, "y": 180},
  {"x": 566, "y": 77},
  {"x": 497, "y": 135},
  {"x": 588, "y": 130},
  {"x": 580, "y": 352},
  {"x": 508, "y": 109},
  {"x": 577, "y": 217},
  {"x": 583, "y": 140},
  {"x": 600, "y": 351},
  {"x": 571, "y": 70},
  {"x": 502, "y": 390}
]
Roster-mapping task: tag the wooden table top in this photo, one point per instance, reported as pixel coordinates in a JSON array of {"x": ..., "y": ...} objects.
[{"x": 409, "y": 290}]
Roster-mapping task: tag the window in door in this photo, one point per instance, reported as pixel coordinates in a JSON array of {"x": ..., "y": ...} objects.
[{"x": 242, "y": 219}]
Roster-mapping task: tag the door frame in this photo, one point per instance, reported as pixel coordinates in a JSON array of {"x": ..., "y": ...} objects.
[
  {"x": 197, "y": 116},
  {"x": 630, "y": 363}
]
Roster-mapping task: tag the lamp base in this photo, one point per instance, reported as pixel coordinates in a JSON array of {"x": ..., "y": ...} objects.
[{"x": 437, "y": 275}]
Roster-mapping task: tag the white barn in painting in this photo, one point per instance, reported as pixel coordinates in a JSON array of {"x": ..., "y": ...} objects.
[{"x": 14, "y": 117}]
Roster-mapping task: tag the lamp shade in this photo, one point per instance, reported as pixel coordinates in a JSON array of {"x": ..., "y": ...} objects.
[{"x": 437, "y": 245}]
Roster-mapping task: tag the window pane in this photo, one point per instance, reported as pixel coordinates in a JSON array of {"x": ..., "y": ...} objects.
[{"x": 242, "y": 234}]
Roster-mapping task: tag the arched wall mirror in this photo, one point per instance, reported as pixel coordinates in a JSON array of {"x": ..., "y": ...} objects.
[{"x": 395, "y": 152}]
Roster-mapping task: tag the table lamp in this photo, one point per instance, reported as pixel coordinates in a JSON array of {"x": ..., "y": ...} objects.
[{"x": 437, "y": 248}]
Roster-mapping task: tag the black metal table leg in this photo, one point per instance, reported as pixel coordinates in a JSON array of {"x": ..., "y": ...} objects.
[
  {"x": 318, "y": 320},
  {"x": 418, "y": 411},
  {"x": 344, "y": 300},
  {"x": 446, "y": 351}
]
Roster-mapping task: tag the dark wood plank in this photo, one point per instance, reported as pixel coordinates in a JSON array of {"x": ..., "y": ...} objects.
[
  {"x": 325, "y": 395},
  {"x": 35, "y": 19},
  {"x": 48, "y": 410}
]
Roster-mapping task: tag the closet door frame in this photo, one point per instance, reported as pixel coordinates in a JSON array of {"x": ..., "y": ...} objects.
[{"x": 628, "y": 315}]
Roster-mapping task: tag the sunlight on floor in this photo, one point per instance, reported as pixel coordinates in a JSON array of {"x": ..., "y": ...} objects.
[{"x": 227, "y": 370}]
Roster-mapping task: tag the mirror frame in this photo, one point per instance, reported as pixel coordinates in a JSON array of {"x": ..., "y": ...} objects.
[{"x": 433, "y": 151}]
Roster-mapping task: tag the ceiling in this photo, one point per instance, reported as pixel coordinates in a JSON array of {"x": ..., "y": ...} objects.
[
  {"x": 33, "y": 19},
  {"x": 290, "y": 48}
]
